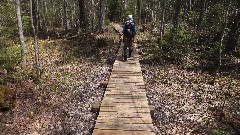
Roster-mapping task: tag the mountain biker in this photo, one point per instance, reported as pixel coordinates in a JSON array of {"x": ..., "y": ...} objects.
[{"x": 129, "y": 31}]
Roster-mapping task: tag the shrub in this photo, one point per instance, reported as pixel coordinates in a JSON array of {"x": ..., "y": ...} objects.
[
  {"x": 26, "y": 24},
  {"x": 177, "y": 43},
  {"x": 8, "y": 20},
  {"x": 220, "y": 132},
  {"x": 7, "y": 97},
  {"x": 10, "y": 57}
]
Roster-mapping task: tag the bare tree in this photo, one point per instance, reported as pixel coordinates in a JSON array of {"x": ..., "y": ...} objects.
[
  {"x": 38, "y": 16},
  {"x": 190, "y": 5},
  {"x": 162, "y": 21},
  {"x": 82, "y": 17},
  {"x": 92, "y": 14},
  {"x": 34, "y": 22},
  {"x": 65, "y": 16},
  {"x": 223, "y": 35},
  {"x": 176, "y": 14},
  {"x": 21, "y": 36},
  {"x": 200, "y": 19},
  {"x": 102, "y": 14},
  {"x": 234, "y": 33},
  {"x": 139, "y": 5}
]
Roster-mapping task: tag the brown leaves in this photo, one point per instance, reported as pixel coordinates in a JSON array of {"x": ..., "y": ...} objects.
[
  {"x": 61, "y": 103},
  {"x": 187, "y": 103}
]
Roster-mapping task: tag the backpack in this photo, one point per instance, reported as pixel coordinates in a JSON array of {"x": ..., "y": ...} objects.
[{"x": 128, "y": 33}]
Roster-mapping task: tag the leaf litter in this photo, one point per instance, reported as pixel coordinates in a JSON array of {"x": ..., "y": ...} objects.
[
  {"x": 61, "y": 103},
  {"x": 185, "y": 103}
]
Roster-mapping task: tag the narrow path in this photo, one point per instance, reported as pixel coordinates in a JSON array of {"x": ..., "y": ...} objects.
[{"x": 124, "y": 109}]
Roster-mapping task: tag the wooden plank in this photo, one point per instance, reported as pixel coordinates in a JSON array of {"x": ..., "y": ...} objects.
[
  {"x": 125, "y": 127},
  {"x": 143, "y": 70},
  {"x": 140, "y": 84},
  {"x": 104, "y": 83},
  {"x": 126, "y": 77},
  {"x": 124, "y": 95},
  {"x": 120, "y": 70},
  {"x": 123, "y": 78},
  {"x": 112, "y": 120},
  {"x": 114, "y": 100},
  {"x": 126, "y": 90},
  {"x": 123, "y": 86},
  {"x": 121, "y": 132},
  {"x": 128, "y": 87},
  {"x": 117, "y": 103},
  {"x": 127, "y": 99},
  {"x": 114, "y": 94},
  {"x": 126, "y": 74},
  {"x": 124, "y": 109},
  {"x": 96, "y": 107},
  {"x": 124, "y": 114},
  {"x": 124, "y": 81},
  {"x": 115, "y": 82},
  {"x": 130, "y": 106},
  {"x": 151, "y": 108},
  {"x": 121, "y": 109},
  {"x": 119, "y": 77}
]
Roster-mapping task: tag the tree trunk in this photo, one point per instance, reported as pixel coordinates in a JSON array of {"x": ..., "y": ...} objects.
[
  {"x": 152, "y": 15},
  {"x": 43, "y": 15},
  {"x": 60, "y": 14},
  {"x": 82, "y": 17},
  {"x": 74, "y": 22},
  {"x": 190, "y": 5},
  {"x": 200, "y": 19},
  {"x": 125, "y": 4},
  {"x": 65, "y": 17},
  {"x": 34, "y": 22},
  {"x": 21, "y": 36},
  {"x": 46, "y": 24},
  {"x": 176, "y": 14},
  {"x": 102, "y": 15},
  {"x": 186, "y": 10},
  {"x": 92, "y": 15},
  {"x": 139, "y": 5},
  {"x": 234, "y": 33},
  {"x": 223, "y": 36},
  {"x": 162, "y": 21},
  {"x": 38, "y": 16}
]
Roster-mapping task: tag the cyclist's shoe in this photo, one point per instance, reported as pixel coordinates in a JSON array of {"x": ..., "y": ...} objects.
[
  {"x": 130, "y": 53},
  {"x": 124, "y": 55}
]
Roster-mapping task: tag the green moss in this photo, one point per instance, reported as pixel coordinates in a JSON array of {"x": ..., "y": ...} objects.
[
  {"x": 220, "y": 132},
  {"x": 7, "y": 97}
]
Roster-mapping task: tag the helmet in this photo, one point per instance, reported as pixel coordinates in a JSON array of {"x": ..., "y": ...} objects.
[{"x": 130, "y": 18}]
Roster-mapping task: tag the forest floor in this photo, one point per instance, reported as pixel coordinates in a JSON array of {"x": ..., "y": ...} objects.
[
  {"x": 184, "y": 101},
  {"x": 61, "y": 102}
]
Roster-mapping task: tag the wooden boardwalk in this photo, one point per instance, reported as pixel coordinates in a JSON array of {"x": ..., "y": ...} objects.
[{"x": 124, "y": 109}]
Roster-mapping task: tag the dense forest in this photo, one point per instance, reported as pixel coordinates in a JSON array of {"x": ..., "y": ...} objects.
[{"x": 54, "y": 53}]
